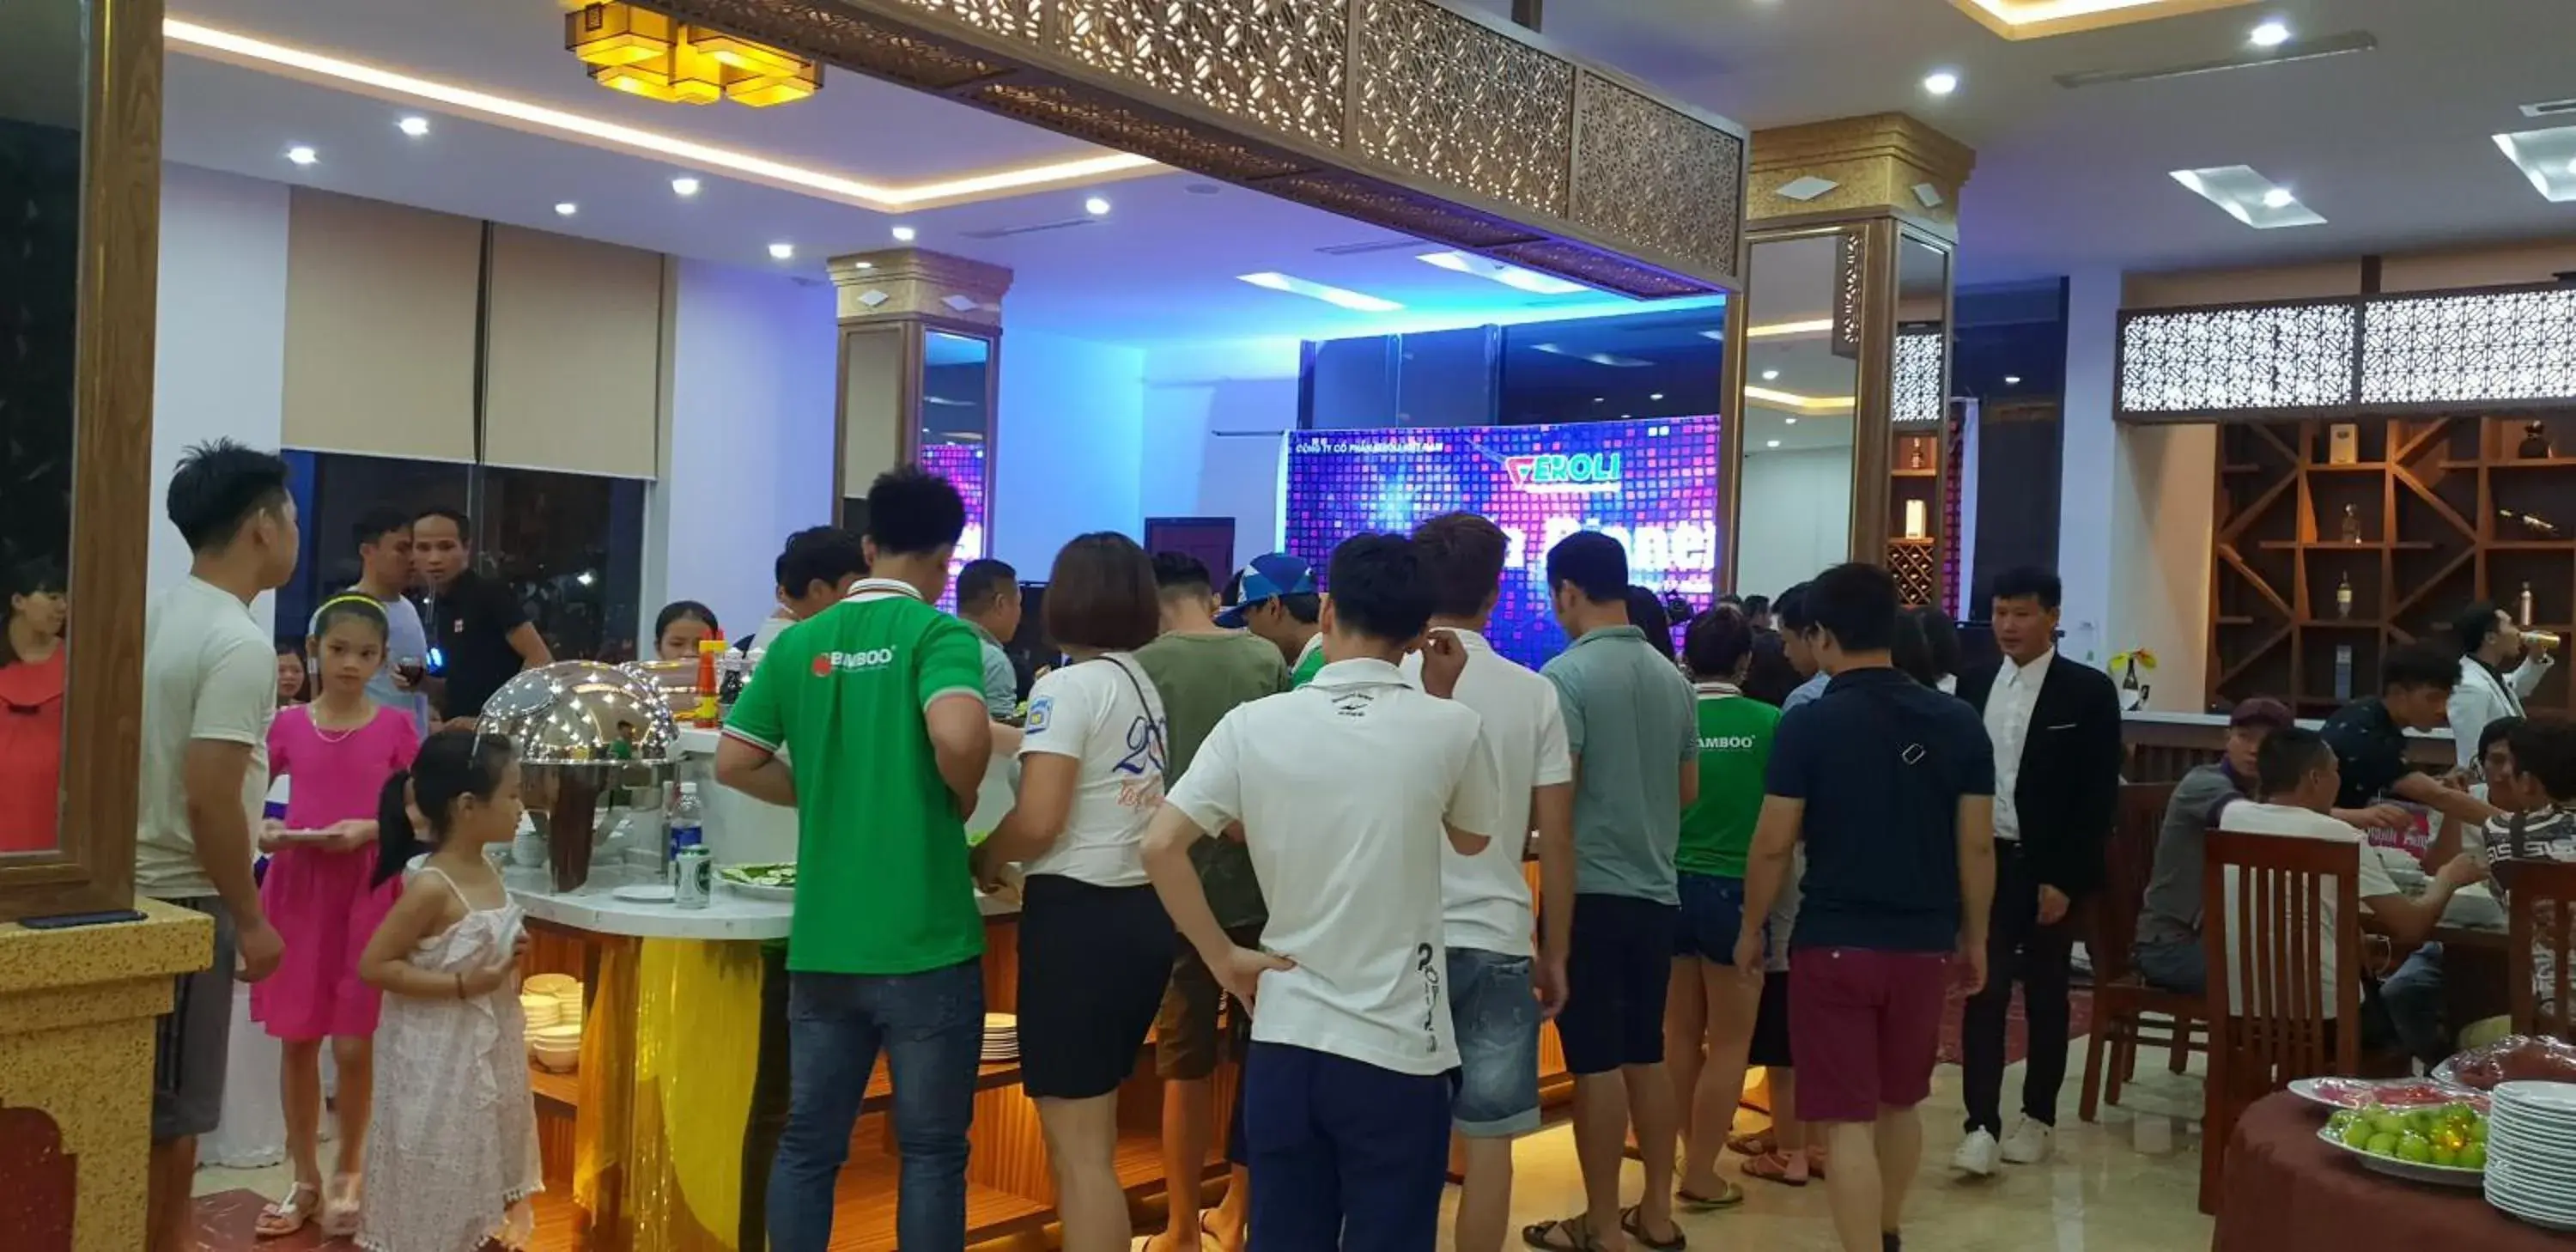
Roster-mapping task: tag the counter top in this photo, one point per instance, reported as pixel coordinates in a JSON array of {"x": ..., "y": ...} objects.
[
  {"x": 2219, "y": 721},
  {"x": 731, "y": 915}
]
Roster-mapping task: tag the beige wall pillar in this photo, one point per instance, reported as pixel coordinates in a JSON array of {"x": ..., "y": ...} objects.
[{"x": 921, "y": 346}]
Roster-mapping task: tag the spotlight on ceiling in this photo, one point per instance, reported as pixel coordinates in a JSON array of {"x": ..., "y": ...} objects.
[
  {"x": 905, "y": 234},
  {"x": 1770, "y": 376},
  {"x": 782, "y": 251},
  {"x": 1657, "y": 395},
  {"x": 566, "y": 208},
  {"x": 2246, "y": 195},
  {"x": 2270, "y": 35},
  {"x": 414, "y": 126},
  {"x": 2279, "y": 198},
  {"x": 1096, "y": 206},
  {"x": 684, "y": 186},
  {"x": 302, "y": 155},
  {"x": 1772, "y": 443},
  {"x": 1941, "y": 82},
  {"x": 2012, "y": 380},
  {"x": 1789, "y": 421}
]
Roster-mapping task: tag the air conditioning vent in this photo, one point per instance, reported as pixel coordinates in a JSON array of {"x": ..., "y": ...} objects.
[
  {"x": 1359, "y": 249},
  {"x": 2299, "y": 50},
  {"x": 1005, "y": 232},
  {"x": 2549, "y": 108}
]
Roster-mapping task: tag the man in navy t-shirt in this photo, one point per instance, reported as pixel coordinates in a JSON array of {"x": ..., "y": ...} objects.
[{"x": 1891, "y": 785}]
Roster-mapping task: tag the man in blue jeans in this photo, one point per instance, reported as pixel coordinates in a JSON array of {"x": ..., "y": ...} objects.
[{"x": 879, "y": 703}]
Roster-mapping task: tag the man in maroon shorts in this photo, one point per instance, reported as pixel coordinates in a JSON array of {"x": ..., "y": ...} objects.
[{"x": 1891, "y": 784}]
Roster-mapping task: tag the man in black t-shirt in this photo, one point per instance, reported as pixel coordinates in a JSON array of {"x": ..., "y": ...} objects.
[
  {"x": 2369, "y": 735},
  {"x": 475, "y": 624}
]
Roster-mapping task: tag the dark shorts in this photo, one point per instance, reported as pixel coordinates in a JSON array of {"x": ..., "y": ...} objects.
[
  {"x": 1712, "y": 918},
  {"x": 1496, "y": 1015},
  {"x": 1865, "y": 1029},
  {"x": 1770, "y": 1045},
  {"x": 1617, "y": 972},
  {"x": 191, "y": 1042},
  {"x": 1343, "y": 1154},
  {"x": 1188, "y": 1040},
  {"x": 1093, "y": 961}
]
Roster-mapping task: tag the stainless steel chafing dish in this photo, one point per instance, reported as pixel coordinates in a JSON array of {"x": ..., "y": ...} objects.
[{"x": 585, "y": 734}]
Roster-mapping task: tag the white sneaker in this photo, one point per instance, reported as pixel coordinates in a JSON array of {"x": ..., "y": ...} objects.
[
  {"x": 1976, "y": 1155},
  {"x": 2029, "y": 1142}
]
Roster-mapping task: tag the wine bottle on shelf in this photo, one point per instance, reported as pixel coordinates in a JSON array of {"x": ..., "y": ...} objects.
[
  {"x": 2343, "y": 671},
  {"x": 2343, "y": 597},
  {"x": 2352, "y": 523},
  {"x": 2535, "y": 442},
  {"x": 2529, "y": 523},
  {"x": 2523, "y": 617}
]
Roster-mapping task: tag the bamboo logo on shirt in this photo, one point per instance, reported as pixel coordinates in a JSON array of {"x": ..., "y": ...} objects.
[{"x": 827, "y": 664}]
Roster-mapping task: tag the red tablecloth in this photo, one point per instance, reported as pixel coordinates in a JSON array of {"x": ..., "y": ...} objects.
[{"x": 2286, "y": 1191}]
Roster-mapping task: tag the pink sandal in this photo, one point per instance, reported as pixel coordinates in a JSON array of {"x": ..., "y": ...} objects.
[
  {"x": 340, "y": 1207},
  {"x": 287, "y": 1216},
  {"x": 1773, "y": 1166}
]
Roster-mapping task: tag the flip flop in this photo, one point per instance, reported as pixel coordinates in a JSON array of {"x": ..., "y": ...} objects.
[
  {"x": 1728, "y": 1196},
  {"x": 1565, "y": 1234},
  {"x": 1633, "y": 1220},
  {"x": 1773, "y": 1167}
]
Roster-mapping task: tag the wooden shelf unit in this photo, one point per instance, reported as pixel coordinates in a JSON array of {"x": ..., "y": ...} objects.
[
  {"x": 1918, "y": 473},
  {"x": 2430, "y": 496}
]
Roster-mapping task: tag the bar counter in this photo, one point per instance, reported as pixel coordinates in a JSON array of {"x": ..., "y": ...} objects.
[{"x": 2162, "y": 747}]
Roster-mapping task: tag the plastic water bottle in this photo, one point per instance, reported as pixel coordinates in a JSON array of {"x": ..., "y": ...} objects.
[{"x": 688, "y": 829}]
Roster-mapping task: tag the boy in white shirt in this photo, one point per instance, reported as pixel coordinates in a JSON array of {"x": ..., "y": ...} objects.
[{"x": 1340, "y": 787}]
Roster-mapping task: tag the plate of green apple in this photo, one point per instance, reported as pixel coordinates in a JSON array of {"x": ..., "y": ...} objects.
[{"x": 2445, "y": 1145}]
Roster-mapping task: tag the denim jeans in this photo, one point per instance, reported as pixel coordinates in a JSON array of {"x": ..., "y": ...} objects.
[
  {"x": 2182, "y": 967},
  {"x": 2413, "y": 997},
  {"x": 931, "y": 1026}
]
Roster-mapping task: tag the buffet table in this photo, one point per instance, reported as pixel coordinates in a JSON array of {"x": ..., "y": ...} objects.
[{"x": 2287, "y": 1191}]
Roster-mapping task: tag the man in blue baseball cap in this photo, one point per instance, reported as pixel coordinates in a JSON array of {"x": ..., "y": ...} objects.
[{"x": 1275, "y": 598}]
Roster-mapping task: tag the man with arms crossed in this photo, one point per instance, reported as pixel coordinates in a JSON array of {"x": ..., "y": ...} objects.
[
  {"x": 1633, "y": 729},
  {"x": 1497, "y": 996},
  {"x": 1203, "y": 671},
  {"x": 879, "y": 704},
  {"x": 1345, "y": 788},
  {"x": 1890, "y": 786},
  {"x": 209, "y": 689}
]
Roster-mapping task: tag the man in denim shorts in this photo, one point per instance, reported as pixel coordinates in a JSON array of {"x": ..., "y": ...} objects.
[{"x": 1497, "y": 996}]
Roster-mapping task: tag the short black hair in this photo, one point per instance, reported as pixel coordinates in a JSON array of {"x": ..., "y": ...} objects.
[
  {"x": 825, "y": 554},
  {"x": 1462, "y": 554},
  {"x": 1378, "y": 587},
  {"x": 984, "y": 581},
  {"x": 2501, "y": 728},
  {"x": 2419, "y": 664},
  {"x": 2474, "y": 626},
  {"x": 219, "y": 486},
  {"x": 1593, "y": 562},
  {"x": 464, "y": 524},
  {"x": 2029, "y": 582},
  {"x": 1791, "y": 609},
  {"x": 1717, "y": 642},
  {"x": 2287, "y": 755},
  {"x": 1857, "y": 604},
  {"x": 376, "y": 523},
  {"x": 678, "y": 610},
  {"x": 1909, "y": 652},
  {"x": 2544, "y": 748},
  {"x": 1646, "y": 613},
  {"x": 1755, "y": 606},
  {"x": 1101, "y": 594},
  {"x": 1178, "y": 572},
  {"x": 1940, "y": 639},
  {"x": 912, "y": 511}
]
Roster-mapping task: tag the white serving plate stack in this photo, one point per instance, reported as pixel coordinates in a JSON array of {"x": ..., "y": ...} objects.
[
  {"x": 552, "y": 1005},
  {"x": 1001, "y": 1038},
  {"x": 2531, "y": 1153}
]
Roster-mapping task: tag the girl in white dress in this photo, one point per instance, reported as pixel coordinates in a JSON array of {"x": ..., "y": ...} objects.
[{"x": 452, "y": 1158}]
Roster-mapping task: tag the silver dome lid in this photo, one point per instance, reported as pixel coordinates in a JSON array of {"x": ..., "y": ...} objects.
[{"x": 575, "y": 712}]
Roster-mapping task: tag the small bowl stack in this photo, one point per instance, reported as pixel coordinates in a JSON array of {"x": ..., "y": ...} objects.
[
  {"x": 1001, "y": 1038},
  {"x": 552, "y": 1005}
]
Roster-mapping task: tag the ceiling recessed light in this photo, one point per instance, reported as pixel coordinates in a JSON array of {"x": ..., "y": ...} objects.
[
  {"x": 684, "y": 186},
  {"x": 1941, "y": 83},
  {"x": 2279, "y": 198},
  {"x": 2246, "y": 195},
  {"x": 1789, "y": 421},
  {"x": 905, "y": 234},
  {"x": 414, "y": 126},
  {"x": 1772, "y": 444},
  {"x": 302, "y": 155},
  {"x": 863, "y": 265},
  {"x": 781, "y": 251},
  {"x": 2012, "y": 380},
  {"x": 566, "y": 208},
  {"x": 1511, "y": 276},
  {"x": 1655, "y": 395},
  {"x": 1795, "y": 403},
  {"x": 2271, "y": 35},
  {"x": 2547, "y": 158},
  {"x": 1599, "y": 399},
  {"x": 1096, "y": 206},
  {"x": 1336, "y": 296},
  {"x": 1770, "y": 376}
]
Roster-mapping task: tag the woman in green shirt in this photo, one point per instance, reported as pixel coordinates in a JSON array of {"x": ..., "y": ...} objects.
[{"x": 1710, "y": 1006}]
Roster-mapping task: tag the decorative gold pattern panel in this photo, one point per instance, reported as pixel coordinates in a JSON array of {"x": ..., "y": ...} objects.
[
  {"x": 1651, "y": 175},
  {"x": 2229, "y": 359},
  {"x": 1277, "y": 64},
  {"x": 2509, "y": 345},
  {"x": 1441, "y": 96},
  {"x": 1397, "y": 209},
  {"x": 1917, "y": 394},
  {"x": 1086, "y": 115},
  {"x": 1847, "y": 288},
  {"x": 1011, "y": 19}
]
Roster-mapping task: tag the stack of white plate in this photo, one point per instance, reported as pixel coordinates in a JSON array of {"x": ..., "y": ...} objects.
[
  {"x": 2531, "y": 1153},
  {"x": 1001, "y": 1037}
]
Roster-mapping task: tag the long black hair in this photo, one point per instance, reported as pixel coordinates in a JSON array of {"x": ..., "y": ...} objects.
[
  {"x": 451, "y": 764},
  {"x": 33, "y": 578}
]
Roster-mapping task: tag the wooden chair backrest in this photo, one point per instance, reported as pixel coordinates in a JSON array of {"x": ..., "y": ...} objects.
[
  {"x": 2284, "y": 1028},
  {"x": 2128, "y": 862},
  {"x": 2541, "y": 914}
]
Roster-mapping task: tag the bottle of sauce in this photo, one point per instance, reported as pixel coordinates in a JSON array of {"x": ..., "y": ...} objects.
[{"x": 710, "y": 650}]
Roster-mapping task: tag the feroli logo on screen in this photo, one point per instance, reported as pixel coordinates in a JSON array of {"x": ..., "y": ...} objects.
[{"x": 1564, "y": 473}]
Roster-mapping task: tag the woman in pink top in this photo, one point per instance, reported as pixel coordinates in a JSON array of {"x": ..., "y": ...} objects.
[
  {"x": 339, "y": 749},
  {"x": 31, "y": 708}
]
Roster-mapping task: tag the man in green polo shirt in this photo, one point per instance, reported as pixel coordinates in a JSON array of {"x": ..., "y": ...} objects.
[{"x": 879, "y": 703}]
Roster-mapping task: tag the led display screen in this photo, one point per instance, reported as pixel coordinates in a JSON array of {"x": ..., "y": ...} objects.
[{"x": 962, "y": 464}]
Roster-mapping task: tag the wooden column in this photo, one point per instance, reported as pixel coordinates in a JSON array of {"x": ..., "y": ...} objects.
[{"x": 889, "y": 305}]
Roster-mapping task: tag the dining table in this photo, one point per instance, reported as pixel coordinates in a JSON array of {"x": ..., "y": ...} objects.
[{"x": 2286, "y": 1190}]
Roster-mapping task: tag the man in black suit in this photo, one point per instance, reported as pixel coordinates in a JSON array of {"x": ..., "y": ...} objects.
[{"x": 2055, "y": 724}]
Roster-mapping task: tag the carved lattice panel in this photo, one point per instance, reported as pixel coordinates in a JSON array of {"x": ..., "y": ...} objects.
[
  {"x": 1275, "y": 63},
  {"x": 1442, "y": 97},
  {"x": 2513, "y": 345},
  {"x": 1917, "y": 396},
  {"x": 2221, "y": 360},
  {"x": 1918, "y": 577},
  {"x": 1650, "y": 174},
  {"x": 1011, "y": 19}
]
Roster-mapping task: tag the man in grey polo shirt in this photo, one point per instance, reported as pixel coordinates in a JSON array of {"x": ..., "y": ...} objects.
[{"x": 1630, "y": 721}]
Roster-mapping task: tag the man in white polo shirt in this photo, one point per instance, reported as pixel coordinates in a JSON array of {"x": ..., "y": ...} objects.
[
  {"x": 1500, "y": 989},
  {"x": 1344, "y": 788}
]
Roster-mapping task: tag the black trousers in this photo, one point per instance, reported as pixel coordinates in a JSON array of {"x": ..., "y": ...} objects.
[
  {"x": 769, "y": 1102},
  {"x": 2019, "y": 949}
]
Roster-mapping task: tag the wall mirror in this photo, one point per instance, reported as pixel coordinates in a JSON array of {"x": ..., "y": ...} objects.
[
  {"x": 1801, "y": 379},
  {"x": 1921, "y": 548}
]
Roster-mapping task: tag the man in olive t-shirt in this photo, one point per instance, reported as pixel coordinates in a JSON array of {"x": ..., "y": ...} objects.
[{"x": 879, "y": 703}]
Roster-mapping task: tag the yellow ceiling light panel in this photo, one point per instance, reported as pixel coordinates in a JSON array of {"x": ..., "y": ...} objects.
[
  {"x": 766, "y": 90},
  {"x": 616, "y": 34},
  {"x": 758, "y": 60},
  {"x": 2038, "y": 19}
]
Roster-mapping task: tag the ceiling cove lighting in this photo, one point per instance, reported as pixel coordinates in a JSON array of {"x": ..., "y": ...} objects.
[
  {"x": 414, "y": 126},
  {"x": 1799, "y": 403},
  {"x": 302, "y": 155},
  {"x": 1814, "y": 326},
  {"x": 2249, "y": 197},
  {"x": 1318, "y": 291},
  {"x": 2038, "y": 19},
  {"x": 385, "y": 84},
  {"x": 1511, "y": 276},
  {"x": 2547, "y": 158}
]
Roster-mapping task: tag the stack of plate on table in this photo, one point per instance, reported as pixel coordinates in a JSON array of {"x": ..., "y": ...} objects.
[
  {"x": 552, "y": 1005},
  {"x": 2531, "y": 1153},
  {"x": 1001, "y": 1037}
]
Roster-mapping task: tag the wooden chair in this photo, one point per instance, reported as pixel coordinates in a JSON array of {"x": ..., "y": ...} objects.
[
  {"x": 2272, "y": 1021},
  {"x": 2126, "y": 1011},
  {"x": 2529, "y": 885}
]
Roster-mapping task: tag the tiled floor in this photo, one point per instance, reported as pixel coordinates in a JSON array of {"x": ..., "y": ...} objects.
[{"x": 2100, "y": 1194}]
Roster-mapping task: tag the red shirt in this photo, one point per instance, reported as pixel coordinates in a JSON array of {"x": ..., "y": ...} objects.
[{"x": 31, "y": 753}]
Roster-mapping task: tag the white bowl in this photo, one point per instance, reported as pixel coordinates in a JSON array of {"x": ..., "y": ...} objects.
[
  {"x": 556, "y": 1036},
  {"x": 558, "y": 1059},
  {"x": 540, "y": 1010}
]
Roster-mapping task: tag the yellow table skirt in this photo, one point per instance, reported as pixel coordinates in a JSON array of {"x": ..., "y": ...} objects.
[{"x": 669, "y": 1055}]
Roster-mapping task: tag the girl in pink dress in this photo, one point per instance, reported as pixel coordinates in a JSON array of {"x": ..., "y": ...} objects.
[{"x": 320, "y": 893}]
